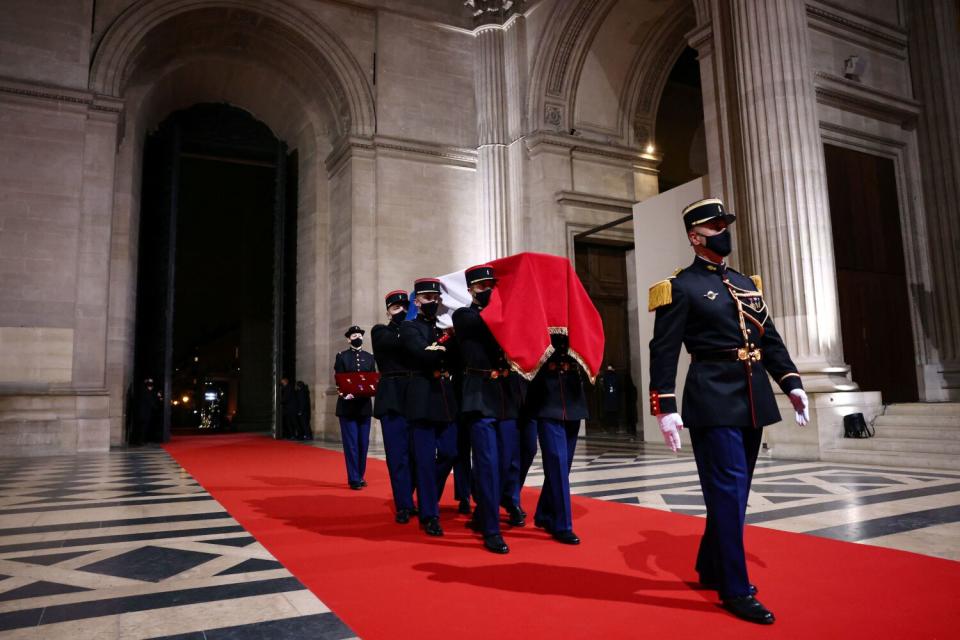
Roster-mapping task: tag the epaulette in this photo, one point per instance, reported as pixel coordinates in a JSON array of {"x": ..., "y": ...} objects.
[
  {"x": 758, "y": 283},
  {"x": 661, "y": 293}
]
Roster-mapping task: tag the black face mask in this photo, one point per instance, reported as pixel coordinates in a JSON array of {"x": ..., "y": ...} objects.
[
  {"x": 720, "y": 244},
  {"x": 483, "y": 298},
  {"x": 356, "y": 342},
  {"x": 429, "y": 309},
  {"x": 398, "y": 316}
]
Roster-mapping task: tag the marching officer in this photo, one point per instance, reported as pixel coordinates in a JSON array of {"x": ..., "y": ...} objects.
[
  {"x": 721, "y": 318},
  {"x": 388, "y": 406},
  {"x": 556, "y": 399},
  {"x": 431, "y": 406},
  {"x": 354, "y": 413},
  {"x": 490, "y": 403}
]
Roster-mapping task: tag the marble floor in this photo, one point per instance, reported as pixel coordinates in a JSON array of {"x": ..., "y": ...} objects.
[{"x": 128, "y": 545}]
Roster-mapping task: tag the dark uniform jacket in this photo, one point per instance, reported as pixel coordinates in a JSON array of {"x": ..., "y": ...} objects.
[
  {"x": 394, "y": 366},
  {"x": 557, "y": 391},
  {"x": 430, "y": 393},
  {"x": 714, "y": 312},
  {"x": 345, "y": 362},
  {"x": 489, "y": 388}
]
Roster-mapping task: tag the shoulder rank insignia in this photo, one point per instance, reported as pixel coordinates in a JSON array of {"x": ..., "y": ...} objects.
[
  {"x": 660, "y": 294},
  {"x": 758, "y": 283}
]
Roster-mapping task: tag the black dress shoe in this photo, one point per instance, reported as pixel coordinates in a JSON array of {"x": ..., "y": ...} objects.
[
  {"x": 356, "y": 486},
  {"x": 517, "y": 517},
  {"x": 432, "y": 527},
  {"x": 748, "y": 608},
  {"x": 363, "y": 483},
  {"x": 495, "y": 543},
  {"x": 402, "y": 517},
  {"x": 464, "y": 507},
  {"x": 566, "y": 537}
]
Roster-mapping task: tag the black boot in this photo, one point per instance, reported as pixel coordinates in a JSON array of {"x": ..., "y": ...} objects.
[
  {"x": 432, "y": 527},
  {"x": 495, "y": 543},
  {"x": 749, "y": 608}
]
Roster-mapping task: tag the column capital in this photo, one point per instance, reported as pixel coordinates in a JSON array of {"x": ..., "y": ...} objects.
[{"x": 493, "y": 12}]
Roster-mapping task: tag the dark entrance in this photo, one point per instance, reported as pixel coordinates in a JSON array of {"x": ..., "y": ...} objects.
[
  {"x": 215, "y": 291},
  {"x": 871, "y": 276},
  {"x": 602, "y": 267}
]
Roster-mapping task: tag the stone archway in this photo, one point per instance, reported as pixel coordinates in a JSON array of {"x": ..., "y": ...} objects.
[{"x": 289, "y": 71}]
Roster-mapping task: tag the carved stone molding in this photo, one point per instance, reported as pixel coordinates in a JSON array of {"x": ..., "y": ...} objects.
[
  {"x": 486, "y": 12},
  {"x": 852, "y": 96},
  {"x": 92, "y": 101}
]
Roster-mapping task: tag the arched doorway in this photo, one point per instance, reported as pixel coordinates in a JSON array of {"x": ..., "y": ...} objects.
[
  {"x": 215, "y": 294},
  {"x": 286, "y": 68}
]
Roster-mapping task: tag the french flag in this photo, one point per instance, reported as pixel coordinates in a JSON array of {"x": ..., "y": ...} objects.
[{"x": 536, "y": 295}]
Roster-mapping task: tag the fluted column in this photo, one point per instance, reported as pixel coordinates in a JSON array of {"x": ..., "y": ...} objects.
[
  {"x": 492, "y": 157},
  {"x": 934, "y": 61},
  {"x": 784, "y": 225}
]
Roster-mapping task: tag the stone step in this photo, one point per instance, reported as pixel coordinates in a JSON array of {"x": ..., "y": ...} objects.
[
  {"x": 925, "y": 408},
  {"x": 918, "y": 432},
  {"x": 937, "y": 461},
  {"x": 917, "y": 420},
  {"x": 903, "y": 445}
]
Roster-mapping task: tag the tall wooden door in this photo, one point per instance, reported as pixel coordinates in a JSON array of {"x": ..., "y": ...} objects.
[
  {"x": 871, "y": 274},
  {"x": 602, "y": 268}
]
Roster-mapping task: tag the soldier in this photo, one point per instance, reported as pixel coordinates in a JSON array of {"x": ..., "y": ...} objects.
[
  {"x": 388, "y": 406},
  {"x": 557, "y": 401},
  {"x": 354, "y": 413},
  {"x": 491, "y": 400},
  {"x": 431, "y": 406},
  {"x": 722, "y": 319}
]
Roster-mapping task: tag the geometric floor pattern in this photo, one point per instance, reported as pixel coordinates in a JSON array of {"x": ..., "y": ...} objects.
[
  {"x": 128, "y": 545},
  {"x": 914, "y": 510}
]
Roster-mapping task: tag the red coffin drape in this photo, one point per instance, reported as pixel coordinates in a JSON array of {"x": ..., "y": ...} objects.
[{"x": 536, "y": 295}]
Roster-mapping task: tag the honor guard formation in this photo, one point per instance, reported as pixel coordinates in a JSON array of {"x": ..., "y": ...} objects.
[{"x": 452, "y": 400}]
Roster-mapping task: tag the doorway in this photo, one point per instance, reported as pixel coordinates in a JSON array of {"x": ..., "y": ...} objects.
[
  {"x": 215, "y": 303},
  {"x": 602, "y": 268},
  {"x": 871, "y": 273}
]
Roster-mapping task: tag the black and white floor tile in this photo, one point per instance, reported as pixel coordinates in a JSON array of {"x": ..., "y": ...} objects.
[{"x": 127, "y": 545}]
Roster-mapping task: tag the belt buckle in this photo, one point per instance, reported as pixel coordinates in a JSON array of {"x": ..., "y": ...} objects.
[
  {"x": 437, "y": 374},
  {"x": 494, "y": 374},
  {"x": 755, "y": 355},
  {"x": 743, "y": 354}
]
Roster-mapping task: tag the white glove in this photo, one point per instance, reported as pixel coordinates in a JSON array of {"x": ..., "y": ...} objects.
[
  {"x": 670, "y": 425},
  {"x": 798, "y": 398},
  {"x": 349, "y": 396}
]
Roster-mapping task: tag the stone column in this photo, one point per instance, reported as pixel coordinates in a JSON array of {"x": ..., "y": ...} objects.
[
  {"x": 784, "y": 229},
  {"x": 492, "y": 160},
  {"x": 934, "y": 44}
]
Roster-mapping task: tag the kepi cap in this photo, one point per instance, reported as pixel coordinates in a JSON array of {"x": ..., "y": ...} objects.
[{"x": 705, "y": 210}]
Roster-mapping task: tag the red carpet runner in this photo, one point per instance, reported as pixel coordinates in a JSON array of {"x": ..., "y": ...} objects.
[{"x": 631, "y": 578}]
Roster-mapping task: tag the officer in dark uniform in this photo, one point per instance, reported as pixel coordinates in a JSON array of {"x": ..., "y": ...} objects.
[
  {"x": 395, "y": 371},
  {"x": 491, "y": 400},
  {"x": 431, "y": 406},
  {"x": 611, "y": 393},
  {"x": 354, "y": 413},
  {"x": 721, "y": 318},
  {"x": 557, "y": 401}
]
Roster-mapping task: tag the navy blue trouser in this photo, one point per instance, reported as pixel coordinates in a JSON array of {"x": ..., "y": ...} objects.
[
  {"x": 527, "y": 451},
  {"x": 434, "y": 451},
  {"x": 495, "y": 444},
  {"x": 558, "y": 442},
  {"x": 396, "y": 444},
  {"x": 355, "y": 433},
  {"x": 725, "y": 457},
  {"x": 462, "y": 477}
]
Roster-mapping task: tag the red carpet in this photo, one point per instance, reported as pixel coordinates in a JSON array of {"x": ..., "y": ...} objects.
[{"x": 631, "y": 578}]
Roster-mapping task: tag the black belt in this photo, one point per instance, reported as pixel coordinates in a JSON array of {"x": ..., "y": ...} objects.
[
  {"x": 563, "y": 367},
  {"x": 436, "y": 374},
  {"x": 396, "y": 374},
  {"x": 492, "y": 374},
  {"x": 727, "y": 355}
]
